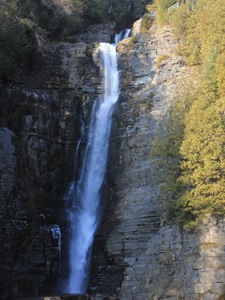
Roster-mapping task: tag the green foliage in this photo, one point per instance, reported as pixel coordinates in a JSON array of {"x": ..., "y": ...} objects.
[
  {"x": 220, "y": 72},
  {"x": 196, "y": 187},
  {"x": 130, "y": 42},
  {"x": 162, "y": 6},
  {"x": 122, "y": 12},
  {"x": 138, "y": 7},
  {"x": 166, "y": 152},
  {"x": 189, "y": 152},
  {"x": 119, "y": 11},
  {"x": 25, "y": 26},
  {"x": 200, "y": 28},
  {"x": 15, "y": 38},
  {"x": 184, "y": 22},
  {"x": 134, "y": 39},
  {"x": 97, "y": 10},
  {"x": 146, "y": 23},
  {"x": 179, "y": 19},
  {"x": 203, "y": 153}
]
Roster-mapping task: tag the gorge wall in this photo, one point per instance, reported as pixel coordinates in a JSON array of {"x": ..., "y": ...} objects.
[
  {"x": 41, "y": 119},
  {"x": 137, "y": 254}
]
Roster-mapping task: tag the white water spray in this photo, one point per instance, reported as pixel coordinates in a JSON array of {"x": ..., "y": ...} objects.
[
  {"x": 123, "y": 34},
  {"x": 85, "y": 213}
]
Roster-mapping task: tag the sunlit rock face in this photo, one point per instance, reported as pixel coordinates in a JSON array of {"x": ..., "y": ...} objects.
[{"x": 137, "y": 254}]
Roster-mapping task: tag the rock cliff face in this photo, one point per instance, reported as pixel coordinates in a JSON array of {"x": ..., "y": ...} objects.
[
  {"x": 136, "y": 254},
  {"x": 41, "y": 119}
]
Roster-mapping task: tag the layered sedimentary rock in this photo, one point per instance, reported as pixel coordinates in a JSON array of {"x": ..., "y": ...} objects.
[
  {"x": 137, "y": 254},
  {"x": 42, "y": 119}
]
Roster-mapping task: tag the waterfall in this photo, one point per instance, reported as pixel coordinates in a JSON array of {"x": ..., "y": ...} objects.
[
  {"x": 85, "y": 213},
  {"x": 123, "y": 34}
]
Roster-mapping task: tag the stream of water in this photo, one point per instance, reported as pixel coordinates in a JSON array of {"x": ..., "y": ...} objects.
[{"x": 85, "y": 213}]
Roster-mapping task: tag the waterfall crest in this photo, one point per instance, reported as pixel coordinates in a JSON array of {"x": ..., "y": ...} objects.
[
  {"x": 123, "y": 34},
  {"x": 85, "y": 213}
]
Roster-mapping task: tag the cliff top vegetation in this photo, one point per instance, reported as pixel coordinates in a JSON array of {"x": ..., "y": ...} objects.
[
  {"x": 190, "y": 150},
  {"x": 26, "y": 25}
]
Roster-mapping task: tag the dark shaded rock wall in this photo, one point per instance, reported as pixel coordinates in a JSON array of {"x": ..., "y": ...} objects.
[{"x": 41, "y": 119}]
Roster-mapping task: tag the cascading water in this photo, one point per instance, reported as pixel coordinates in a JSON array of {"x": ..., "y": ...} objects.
[
  {"x": 85, "y": 213},
  {"x": 123, "y": 34}
]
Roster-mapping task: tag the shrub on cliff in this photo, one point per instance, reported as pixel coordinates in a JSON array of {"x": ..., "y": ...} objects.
[
  {"x": 198, "y": 187},
  {"x": 190, "y": 157},
  {"x": 57, "y": 17},
  {"x": 25, "y": 26},
  {"x": 97, "y": 10},
  {"x": 203, "y": 154},
  {"x": 200, "y": 29},
  {"x": 122, "y": 12},
  {"x": 16, "y": 39},
  {"x": 167, "y": 158},
  {"x": 146, "y": 23},
  {"x": 162, "y": 6}
]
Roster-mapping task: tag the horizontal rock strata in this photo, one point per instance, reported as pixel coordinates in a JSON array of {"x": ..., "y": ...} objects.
[
  {"x": 41, "y": 123},
  {"x": 157, "y": 260}
]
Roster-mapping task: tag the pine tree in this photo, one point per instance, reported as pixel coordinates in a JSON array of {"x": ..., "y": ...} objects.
[{"x": 203, "y": 155}]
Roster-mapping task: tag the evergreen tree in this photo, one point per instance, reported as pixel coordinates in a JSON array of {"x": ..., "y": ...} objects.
[
  {"x": 166, "y": 155},
  {"x": 200, "y": 181},
  {"x": 203, "y": 155}
]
